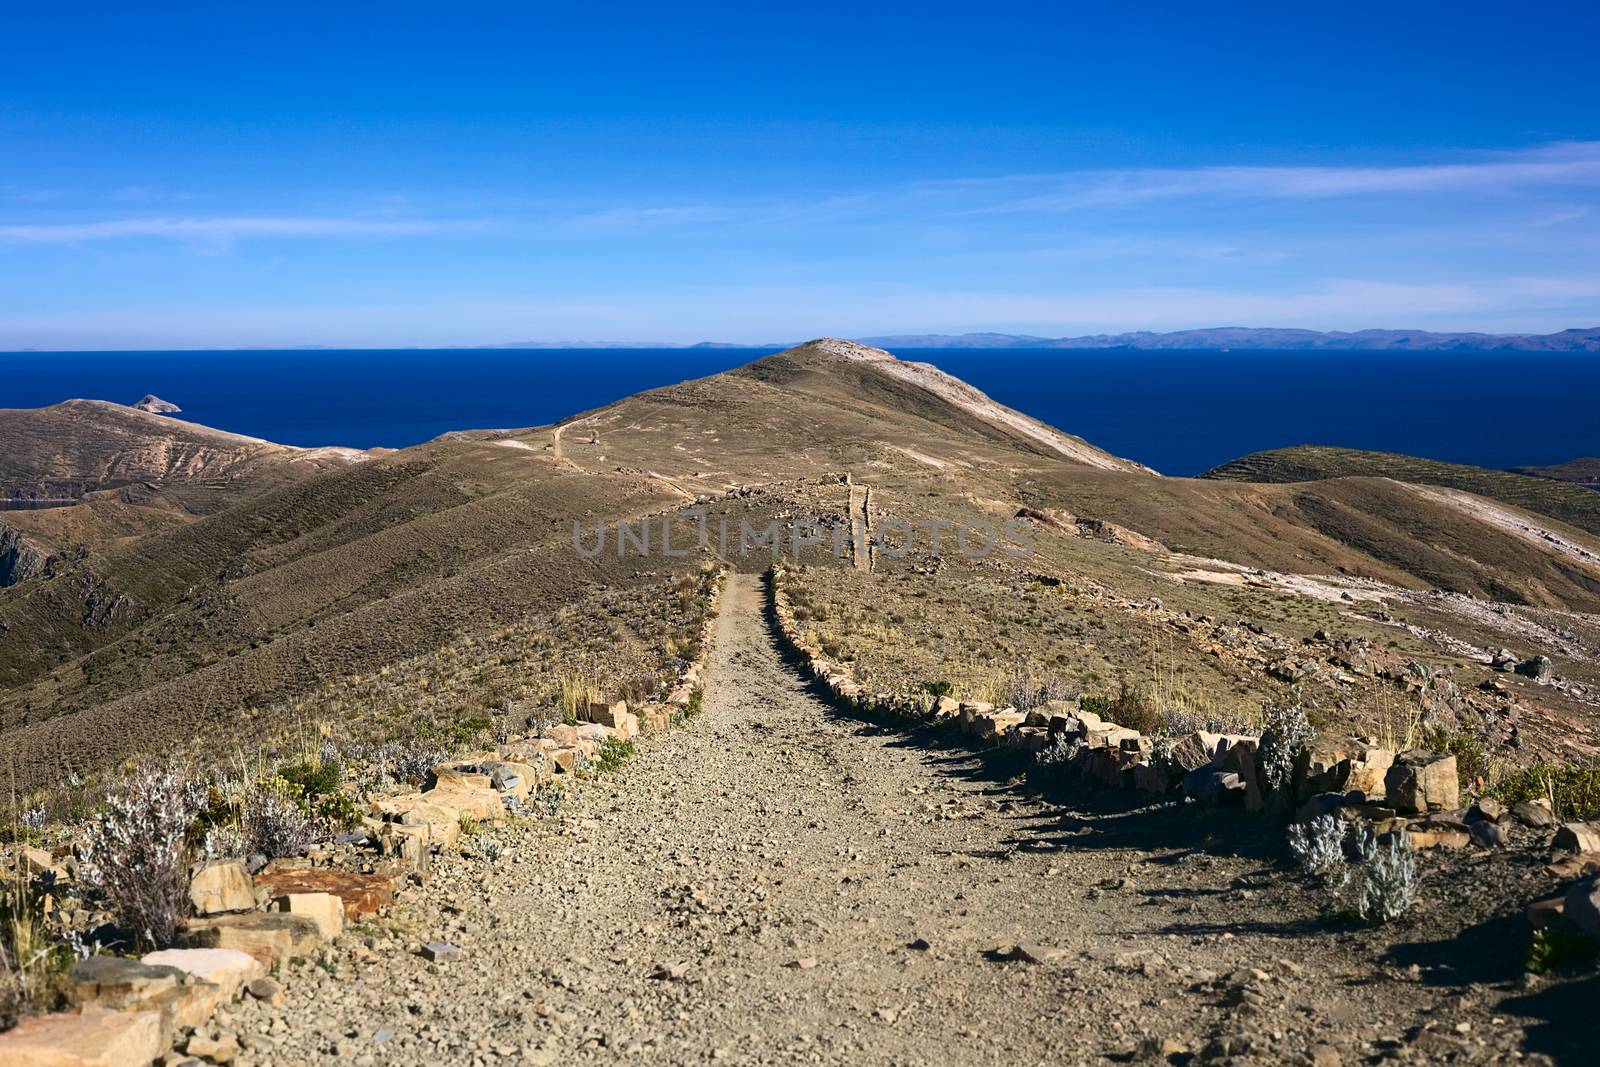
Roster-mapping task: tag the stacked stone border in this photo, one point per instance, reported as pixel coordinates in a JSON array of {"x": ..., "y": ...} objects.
[
  {"x": 1413, "y": 797},
  {"x": 249, "y": 924}
]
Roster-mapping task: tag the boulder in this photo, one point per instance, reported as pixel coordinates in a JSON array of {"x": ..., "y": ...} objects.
[
  {"x": 613, "y": 714},
  {"x": 1487, "y": 809},
  {"x": 443, "y": 823},
  {"x": 1577, "y": 865},
  {"x": 944, "y": 708},
  {"x": 1211, "y": 786},
  {"x": 1578, "y": 837},
  {"x": 1446, "y": 839},
  {"x": 562, "y": 734},
  {"x": 1241, "y": 760},
  {"x": 473, "y": 795},
  {"x": 1065, "y": 724},
  {"x": 323, "y": 909},
  {"x": 408, "y": 844},
  {"x": 227, "y": 969},
  {"x": 93, "y": 1037},
  {"x": 36, "y": 861},
  {"x": 360, "y": 895},
  {"x": 1583, "y": 907},
  {"x": 1108, "y": 735},
  {"x": 996, "y": 724},
  {"x": 1149, "y": 778},
  {"x": 1108, "y": 765},
  {"x": 1422, "y": 781},
  {"x": 1032, "y": 739},
  {"x": 122, "y": 984},
  {"x": 271, "y": 937},
  {"x": 1533, "y": 813},
  {"x": 1319, "y": 805},
  {"x": 970, "y": 710},
  {"x": 1539, "y": 668},
  {"x": 1486, "y": 834},
  {"x": 1195, "y": 750},
  {"x": 222, "y": 887}
]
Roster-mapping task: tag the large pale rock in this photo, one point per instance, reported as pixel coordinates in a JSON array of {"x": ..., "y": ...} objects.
[
  {"x": 222, "y": 887},
  {"x": 996, "y": 724},
  {"x": 563, "y": 734},
  {"x": 1422, "y": 781},
  {"x": 324, "y": 909},
  {"x": 271, "y": 937},
  {"x": 1578, "y": 837},
  {"x": 1108, "y": 735},
  {"x": 228, "y": 969},
  {"x": 122, "y": 984},
  {"x": 970, "y": 710},
  {"x": 442, "y": 822},
  {"x": 613, "y": 714},
  {"x": 359, "y": 894},
  {"x": 1342, "y": 766},
  {"x": 473, "y": 795},
  {"x": 94, "y": 1037},
  {"x": 408, "y": 844},
  {"x": 944, "y": 708},
  {"x": 36, "y": 861},
  {"x": 1028, "y": 738},
  {"x": 1446, "y": 839}
]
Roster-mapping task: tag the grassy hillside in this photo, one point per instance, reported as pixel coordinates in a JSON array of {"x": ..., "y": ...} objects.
[
  {"x": 1585, "y": 471},
  {"x": 1305, "y": 463},
  {"x": 157, "y": 623}
]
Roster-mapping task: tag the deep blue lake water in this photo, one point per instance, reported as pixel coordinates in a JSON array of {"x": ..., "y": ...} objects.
[{"x": 1179, "y": 412}]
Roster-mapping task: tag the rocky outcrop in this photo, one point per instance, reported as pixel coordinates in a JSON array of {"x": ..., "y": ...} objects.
[
  {"x": 156, "y": 406},
  {"x": 20, "y": 559}
]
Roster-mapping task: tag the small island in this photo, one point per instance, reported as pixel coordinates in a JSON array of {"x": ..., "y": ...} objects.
[{"x": 156, "y": 406}]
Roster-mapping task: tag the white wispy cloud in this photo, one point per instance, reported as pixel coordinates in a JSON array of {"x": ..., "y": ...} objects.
[
  {"x": 223, "y": 229},
  {"x": 1567, "y": 164}
]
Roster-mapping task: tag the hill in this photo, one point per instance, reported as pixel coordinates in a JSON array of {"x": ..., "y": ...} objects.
[
  {"x": 1305, "y": 463},
  {"x": 329, "y": 591},
  {"x": 79, "y": 446},
  {"x": 1585, "y": 471}
]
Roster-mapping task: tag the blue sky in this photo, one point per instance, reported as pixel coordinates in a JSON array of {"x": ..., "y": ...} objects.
[{"x": 203, "y": 175}]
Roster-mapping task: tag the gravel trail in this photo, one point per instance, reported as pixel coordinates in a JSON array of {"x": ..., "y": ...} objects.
[{"x": 778, "y": 882}]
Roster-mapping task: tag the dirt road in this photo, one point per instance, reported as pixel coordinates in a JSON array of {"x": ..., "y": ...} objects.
[{"x": 779, "y": 882}]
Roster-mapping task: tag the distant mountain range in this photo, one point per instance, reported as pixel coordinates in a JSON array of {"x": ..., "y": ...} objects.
[
  {"x": 1217, "y": 338},
  {"x": 1245, "y": 337}
]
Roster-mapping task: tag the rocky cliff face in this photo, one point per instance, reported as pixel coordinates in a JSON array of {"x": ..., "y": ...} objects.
[{"x": 20, "y": 559}]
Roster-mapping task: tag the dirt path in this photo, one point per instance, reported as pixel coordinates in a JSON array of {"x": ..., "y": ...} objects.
[{"x": 777, "y": 882}]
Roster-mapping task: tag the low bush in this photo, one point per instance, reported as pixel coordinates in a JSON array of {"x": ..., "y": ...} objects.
[
  {"x": 612, "y": 754},
  {"x": 135, "y": 851},
  {"x": 1390, "y": 885},
  {"x": 1318, "y": 845},
  {"x": 312, "y": 779},
  {"x": 274, "y": 820},
  {"x": 1288, "y": 733},
  {"x": 1573, "y": 789}
]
